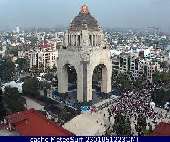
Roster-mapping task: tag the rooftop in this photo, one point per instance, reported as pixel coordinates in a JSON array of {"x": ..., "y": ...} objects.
[
  {"x": 33, "y": 123},
  {"x": 162, "y": 129}
]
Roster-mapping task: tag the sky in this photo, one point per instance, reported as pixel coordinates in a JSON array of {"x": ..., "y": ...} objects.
[{"x": 109, "y": 13}]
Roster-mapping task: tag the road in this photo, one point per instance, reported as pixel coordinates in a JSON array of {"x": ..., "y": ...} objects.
[{"x": 33, "y": 104}]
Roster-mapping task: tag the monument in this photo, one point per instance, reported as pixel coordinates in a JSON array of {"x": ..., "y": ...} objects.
[{"x": 84, "y": 48}]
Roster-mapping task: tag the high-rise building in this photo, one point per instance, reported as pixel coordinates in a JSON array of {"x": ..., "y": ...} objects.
[{"x": 17, "y": 29}]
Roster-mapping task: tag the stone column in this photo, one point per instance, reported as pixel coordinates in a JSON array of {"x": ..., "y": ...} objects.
[
  {"x": 106, "y": 79},
  {"x": 72, "y": 39},
  {"x": 99, "y": 39},
  {"x": 89, "y": 84},
  {"x": 95, "y": 39},
  {"x": 84, "y": 91},
  {"x": 66, "y": 40},
  {"x": 82, "y": 82},
  {"x": 80, "y": 94},
  {"x": 62, "y": 80}
]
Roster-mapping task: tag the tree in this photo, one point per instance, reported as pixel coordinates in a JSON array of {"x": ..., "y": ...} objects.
[
  {"x": 53, "y": 69},
  {"x": 139, "y": 82},
  {"x": 13, "y": 101},
  {"x": 124, "y": 81},
  {"x": 7, "y": 69},
  {"x": 49, "y": 76},
  {"x": 35, "y": 70},
  {"x": 31, "y": 87},
  {"x": 114, "y": 75},
  {"x": 34, "y": 41},
  {"x": 44, "y": 84},
  {"x": 164, "y": 65},
  {"x": 161, "y": 77},
  {"x": 161, "y": 96},
  {"x": 141, "y": 124},
  {"x": 2, "y": 108},
  {"x": 127, "y": 128},
  {"x": 122, "y": 125},
  {"x": 22, "y": 64},
  {"x": 13, "y": 51},
  {"x": 150, "y": 127}
]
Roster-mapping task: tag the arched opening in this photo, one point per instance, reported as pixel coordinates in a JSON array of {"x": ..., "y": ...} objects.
[
  {"x": 93, "y": 40},
  {"x": 55, "y": 81},
  {"x": 68, "y": 39},
  {"x": 99, "y": 83},
  {"x": 90, "y": 39},
  {"x": 71, "y": 96},
  {"x": 74, "y": 40},
  {"x": 72, "y": 76},
  {"x": 78, "y": 40},
  {"x": 55, "y": 94}
]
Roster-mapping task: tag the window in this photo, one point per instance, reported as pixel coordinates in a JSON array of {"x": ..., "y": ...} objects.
[
  {"x": 90, "y": 39},
  {"x": 78, "y": 40},
  {"x": 93, "y": 40},
  {"x": 75, "y": 40},
  {"x": 68, "y": 40}
]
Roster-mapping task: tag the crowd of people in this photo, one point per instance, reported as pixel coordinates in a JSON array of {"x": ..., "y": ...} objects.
[{"x": 133, "y": 103}]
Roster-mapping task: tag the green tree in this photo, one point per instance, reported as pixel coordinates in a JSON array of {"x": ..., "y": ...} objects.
[
  {"x": 164, "y": 65},
  {"x": 22, "y": 64},
  {"x": 124, "y": 81},
  {"x": 114, "y": 75},
  {"x": 127, "y": 128},
  {"x": 49, "y": 76},
  {"x": 2, "y": 108},
  {"x": 139, "y": 82},
  {"x": 156, "y": 77},
  {"x": 141, "y": 123},
  {"x": 161, "y": 96},
  {"x": 122, "y": 125},
  {"x": 31, "y": 87},
  {"x": 13, "y": 101},
  {"x": 13, "y": 51},
  {"x": 54, "y": 69},
  {"x": 161, "y": 77},
  {"x": 7, "y": 69},
  {"x": 34, "y": 41}
]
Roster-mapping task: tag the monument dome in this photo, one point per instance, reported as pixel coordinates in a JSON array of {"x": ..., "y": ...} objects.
[{"x": 84, "y": 21}]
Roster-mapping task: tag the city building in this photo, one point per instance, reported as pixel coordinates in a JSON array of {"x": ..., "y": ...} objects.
[
  {"x": 135, "y": 66},
  {"x": 43, "y": 59}
]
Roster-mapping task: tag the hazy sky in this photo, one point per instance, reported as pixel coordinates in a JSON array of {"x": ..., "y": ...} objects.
[{"x": 109, "y": 13}]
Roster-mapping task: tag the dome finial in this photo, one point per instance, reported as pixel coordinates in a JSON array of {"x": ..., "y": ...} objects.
[{"x": 84, "y": 9}]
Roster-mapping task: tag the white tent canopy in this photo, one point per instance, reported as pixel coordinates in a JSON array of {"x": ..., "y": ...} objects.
[{"x": 13, "y": 84}]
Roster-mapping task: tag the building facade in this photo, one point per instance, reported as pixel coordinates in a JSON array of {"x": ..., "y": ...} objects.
[
  {"x": 43, "y": 58},
  {"x": 135, "y": 66}
]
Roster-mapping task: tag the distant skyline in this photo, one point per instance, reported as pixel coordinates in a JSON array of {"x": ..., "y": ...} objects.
[{"x": 109, "y": 13}]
